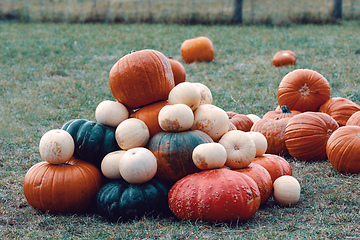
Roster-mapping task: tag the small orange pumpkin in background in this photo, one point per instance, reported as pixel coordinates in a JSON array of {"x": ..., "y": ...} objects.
[
  {"x": 282, "y": 112},
  {"x": 284, "y": 58},
  {"x": 199, "y": 49},
  {"x": 241, "y": 121},
  {"x": 178, "y": 70},
  {"x": 303, "y": 90},
  {"x": 140, "y": 78},
  {"x": 354, "y": 119},
  {"x": 339, "y": 109}
]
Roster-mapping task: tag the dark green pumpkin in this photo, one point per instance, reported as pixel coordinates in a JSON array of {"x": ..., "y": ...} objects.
[
  {"x": 92, "y": 140},
  {"x": 120, "y": 200},
  {"x": 173, "y": 151}
]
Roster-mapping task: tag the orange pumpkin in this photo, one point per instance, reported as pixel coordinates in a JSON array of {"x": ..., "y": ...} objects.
[
  {"x": 339, "y": 109},
  {"x": 178, "y": 70},
  {"x": 284, "y": 58},
  {"x": 273, "y": 130},
  {"x": 303, "y": 90},
  {"x": 343, "y": 149},
  {"x": 262, "y": 178},
  {"x": 149, "y": 115},
  {"x": 276, "y": 166},
  {"x": 241, "y": 121},
  {"x": 62, "y": 189},
  {"x": 306, "y": 135},
  {"x": 141, "y": 78},
  {"x": 199, "y": 49},
  {"x": 283, "y": 112},
  {"x": 354, "y": 119}
]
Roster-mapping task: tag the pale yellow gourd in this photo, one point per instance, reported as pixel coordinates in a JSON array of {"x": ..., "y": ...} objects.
[
  {"x": 286, "y": 190},
  {"x": 209, "y": 156},
  {"x": 206, "y": 95},
  {"x": 240, "y": 149},
  {"x": 176, "y": 118},
  {"x": 186, "y": 93},
  {"x": 260, "y": 142},
  {"x": 132, "y": 133},
  {"x": 110, "y": 164},
  {"x": 111, "y": 113}
]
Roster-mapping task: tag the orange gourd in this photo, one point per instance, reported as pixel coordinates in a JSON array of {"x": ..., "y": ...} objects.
[
  {"x": 306, "y": 135},
  {"x": 141, "y": 78},
  {"x": 199, "y": 49},
  {"x": 303, "y": 90},
  {"x": 343, "y": 149},
  {"x": 276, "y": 166},
  {"x": 178, "y": 70},
  {"x": 241, "y": 121},
  {"x": 354, "y": 119},
  {"x": 283, "y": 112},
  {"x": 284, "y": 58},
  {"x": 339, "y": 109}
]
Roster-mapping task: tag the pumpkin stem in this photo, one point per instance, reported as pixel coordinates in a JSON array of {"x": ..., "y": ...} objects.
[
  {"x": 132, "y": 51},
  {"x": 285, "y": 109}
]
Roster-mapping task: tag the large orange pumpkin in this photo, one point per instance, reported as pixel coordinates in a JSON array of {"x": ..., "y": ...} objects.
[
  {"x": 64, "y": 188},
  {"x": 273, "y": 130},
  {"x": 339, "y": 109},
  {"x": 303, "y": 90},
  {"x": 149, "y": 115},
  {"x": 306, "y": 135},
  {"x": 284, "y": 58},
  {"x": 199, "y": 49},
  {"x": 343, "y": 149},
  {"x": 354, "y": 119},
  {"x": 276, "y": 166},
  {"x": 218, "y": 195},
  {"x": 140, "y": 78}
]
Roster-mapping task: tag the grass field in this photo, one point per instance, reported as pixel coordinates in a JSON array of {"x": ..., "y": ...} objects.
[{"x": 51, "y": 73}]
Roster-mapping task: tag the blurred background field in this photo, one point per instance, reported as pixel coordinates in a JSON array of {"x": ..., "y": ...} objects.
[{"x": 271, "y": 12}]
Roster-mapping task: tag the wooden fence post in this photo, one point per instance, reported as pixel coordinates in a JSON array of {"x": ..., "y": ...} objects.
[
  {"x": 238, "y": 6},
  {"x": 337, "y": 9}
]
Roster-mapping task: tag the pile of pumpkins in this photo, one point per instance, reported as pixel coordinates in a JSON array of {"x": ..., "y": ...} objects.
[{"x": 162, "y": 147}]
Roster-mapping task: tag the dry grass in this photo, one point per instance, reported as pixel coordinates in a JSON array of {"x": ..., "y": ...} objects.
[{"x": 51, "y": 73}]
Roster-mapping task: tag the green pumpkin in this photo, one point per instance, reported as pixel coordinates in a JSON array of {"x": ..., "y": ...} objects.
[
  {"x": 92, "y": 140},
  {"x": 120, "y": 200},
  {"x": 173, "y": 151}
]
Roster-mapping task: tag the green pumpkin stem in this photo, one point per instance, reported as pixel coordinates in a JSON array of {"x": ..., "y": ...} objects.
[{"x": 285, "y": 109}]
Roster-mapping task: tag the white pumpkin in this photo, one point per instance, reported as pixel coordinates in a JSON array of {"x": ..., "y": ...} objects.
[
  {"x": 206, "y": 95},
  {"x": 209, "y": 156},
  {"x": 286, "y": 190},
  {"x": 212, "y": 120},
  {"x": 186, "y": 93},
  {"x": 111, "y": 113},
  {"x": 138, "y": 165},
  {"x": 110, "y": 164},
  {"x": 254, "y": 118},
  {"x": 56, "y": 146},
  {"x": 260, "y": 141},
  {"x": 132, "y": 133},
  {"x": 240, "y": 149},
  {"x": 176, "y": 118}
]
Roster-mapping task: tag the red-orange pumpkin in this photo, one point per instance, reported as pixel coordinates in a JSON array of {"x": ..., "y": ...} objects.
[
  {"x": 354, "y": 119},
  {"x": 276, "y": 166},
  {"x": 283, "y": 112},
  {"x": 303, "y": 90},
  {"x": 262, "y": 178},
  {"x": 199, "y": 49},
  {"x": 339, "y": 109},
  {"x": 273, "y": 130},
  {"x": 284, "y": 58},
  {"x": 140, "y": 78},
  {"x": 62, "y": 189},
  {"x": 178, "y": 70},
  {"x": 306, "y": 135},
  {"x": 219, "y": 195},
  {"x": 149, "y": 115},
  {"x": 241, "y": 121},
  {"x": 343, "y": 149}
]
